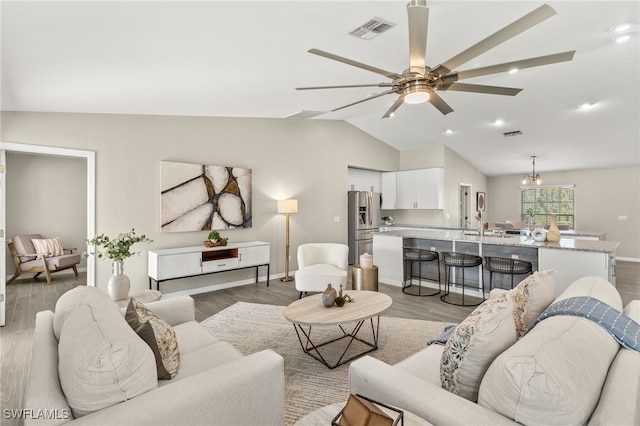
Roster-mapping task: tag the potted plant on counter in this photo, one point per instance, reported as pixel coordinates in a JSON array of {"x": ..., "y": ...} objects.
[{"x": 214, "y": 239}]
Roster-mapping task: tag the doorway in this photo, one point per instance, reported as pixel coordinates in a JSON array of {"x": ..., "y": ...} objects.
[
  {"x": 465, "y": 205},
  {"x": 89, "y": 158}
]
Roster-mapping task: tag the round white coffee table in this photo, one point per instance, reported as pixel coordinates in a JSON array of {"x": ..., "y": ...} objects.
[
  {"x": 324, "y": 415},
  {"x": 310, "y": 312}
]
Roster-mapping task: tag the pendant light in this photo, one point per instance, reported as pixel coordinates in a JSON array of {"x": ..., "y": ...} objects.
[{"x": 533, "y": 178}]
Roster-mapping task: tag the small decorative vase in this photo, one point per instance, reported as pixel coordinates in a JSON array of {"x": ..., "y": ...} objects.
[
  {"x": 539, "y": 235},
  {"x": 119, "y": 284},
  {"x": 553, "y": 235},
  {"x": 329, "y": 296}
]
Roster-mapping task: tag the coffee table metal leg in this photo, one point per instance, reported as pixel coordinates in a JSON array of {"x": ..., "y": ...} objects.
[{"x": 312, "y": 349}]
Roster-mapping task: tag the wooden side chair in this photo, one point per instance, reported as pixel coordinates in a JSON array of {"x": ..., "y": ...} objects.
[{"x": 27, "y": 260}]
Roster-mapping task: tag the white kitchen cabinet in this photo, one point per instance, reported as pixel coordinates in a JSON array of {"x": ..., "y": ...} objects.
[
  {"x": 569, "y": 265},
  {"x": 363, "y": 180},
  {"x": 406, "y": 189},
  {"x": 388, "y": 189},
  {"x": 183, "y": 262},
  {"x": 420, "y": 189},
  {"x": 430, "y": 189}
]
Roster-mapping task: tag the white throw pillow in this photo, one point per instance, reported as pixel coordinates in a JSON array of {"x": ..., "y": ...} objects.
[
  {"x": 48, "y": 247},
  {"x": 102, "y": 361}
]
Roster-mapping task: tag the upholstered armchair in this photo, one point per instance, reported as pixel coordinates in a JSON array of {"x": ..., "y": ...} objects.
[
  {"x": 320, "y": 264},
  {"x": 47, "y": 257}
]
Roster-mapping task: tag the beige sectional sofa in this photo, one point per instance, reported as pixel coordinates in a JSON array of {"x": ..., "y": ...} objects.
[
  {"x": 565, "y": 370},
  {"x": 88, "y": 366}
]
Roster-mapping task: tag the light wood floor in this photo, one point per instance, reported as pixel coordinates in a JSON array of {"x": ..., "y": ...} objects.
[{"x": 27, "y": 297}]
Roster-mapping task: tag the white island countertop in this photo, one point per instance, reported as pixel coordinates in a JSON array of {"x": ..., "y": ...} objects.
[
  {"x": 506, "y": 240},
  {"x": 514, "y": 232}
]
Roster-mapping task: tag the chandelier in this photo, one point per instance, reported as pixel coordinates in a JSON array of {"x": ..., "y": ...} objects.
[{"x": 533, "y": 177}]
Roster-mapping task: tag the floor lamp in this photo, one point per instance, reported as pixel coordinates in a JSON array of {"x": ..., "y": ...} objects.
[{"x": 287, "y": 207}]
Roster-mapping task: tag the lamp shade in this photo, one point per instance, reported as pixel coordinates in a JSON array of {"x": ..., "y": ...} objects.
[{"x": 287, "y": 206}]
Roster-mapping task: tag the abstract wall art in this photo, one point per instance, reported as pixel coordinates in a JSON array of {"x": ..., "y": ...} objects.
[{"x": 198, "y": 197}]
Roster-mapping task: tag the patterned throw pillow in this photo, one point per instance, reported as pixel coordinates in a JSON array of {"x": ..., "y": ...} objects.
[
  {"x": 531, "y": 297},
  {"x": 159, "y": 335},
  {"x": 489, "y": 330},
  {"x": 475, "y": 343},
  {"x": 49, "y": 247}
]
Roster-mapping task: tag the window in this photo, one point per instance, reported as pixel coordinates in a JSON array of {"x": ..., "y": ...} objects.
[{"x": 540, "y": 202}]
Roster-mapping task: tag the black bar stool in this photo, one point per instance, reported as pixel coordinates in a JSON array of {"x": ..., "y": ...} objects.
[
  {"x": 503, "y": 265},
  {"x": 413, "y": 255},
  {"x": 463, "y": 261}
]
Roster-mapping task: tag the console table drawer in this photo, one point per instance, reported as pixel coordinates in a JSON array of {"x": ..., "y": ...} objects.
[{"x": 219, "y": 265}]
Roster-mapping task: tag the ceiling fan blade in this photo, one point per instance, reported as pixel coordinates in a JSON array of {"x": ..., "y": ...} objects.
[
  {"x": 394, "y": 107},
  {"x": 418, "y": 24},
  {"x": 525, "y": 63},
  {"x": 439, "y": 103},
  {"x": 479, "y": 88},
  {"x": 377, "y": 95},
  {"x": 528, "y": 21},
  {"x": 346, "y": 86},
  {"x": 351, "y": 62}
]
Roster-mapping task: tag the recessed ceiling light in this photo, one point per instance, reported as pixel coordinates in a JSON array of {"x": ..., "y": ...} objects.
[
  {"x": 498, "y": 122},
  {"x": 448, "y": 131},
  {"x": 587, "y": 105},
  {"x": 621, "y": 27},
  {"x": 622, "y": 38}
]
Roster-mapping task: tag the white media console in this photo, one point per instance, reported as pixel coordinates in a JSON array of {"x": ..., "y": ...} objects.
[{"x": 184, "y": 262}]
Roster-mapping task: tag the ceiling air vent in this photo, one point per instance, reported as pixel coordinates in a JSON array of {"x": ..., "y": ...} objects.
[
  {"x": 372, "y": 29},
  {"x": 514, "y": 133}
]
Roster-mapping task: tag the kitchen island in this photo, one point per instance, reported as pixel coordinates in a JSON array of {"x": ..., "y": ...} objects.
[{"x": 571, "y": 258}]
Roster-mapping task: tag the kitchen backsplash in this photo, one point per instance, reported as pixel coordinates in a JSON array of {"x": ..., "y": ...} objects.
[{"x": 418, "y": 217}]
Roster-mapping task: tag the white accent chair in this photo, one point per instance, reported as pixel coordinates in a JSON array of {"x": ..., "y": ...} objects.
[{"x": 320, "y": 264}]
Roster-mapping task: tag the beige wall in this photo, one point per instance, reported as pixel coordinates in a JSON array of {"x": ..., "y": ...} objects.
[
  {"x": 46, "y": 195},
  {"x": 303, "y": 159},
  {"x": 600, "y": 197}
]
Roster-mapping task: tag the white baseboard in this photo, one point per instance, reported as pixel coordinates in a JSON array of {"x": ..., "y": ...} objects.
[{"x": 628, "y": 259}]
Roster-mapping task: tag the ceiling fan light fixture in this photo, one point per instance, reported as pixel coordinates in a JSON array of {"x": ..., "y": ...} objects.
[
  {"x": 416, "y": 92},
  {"x": 416, "y": 97}
]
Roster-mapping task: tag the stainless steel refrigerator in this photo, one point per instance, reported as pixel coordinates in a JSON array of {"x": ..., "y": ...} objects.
[{"x": 363, "y": 221}]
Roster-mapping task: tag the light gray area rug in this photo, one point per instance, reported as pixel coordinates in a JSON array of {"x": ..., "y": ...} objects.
[{"x": 309, "y": 385}]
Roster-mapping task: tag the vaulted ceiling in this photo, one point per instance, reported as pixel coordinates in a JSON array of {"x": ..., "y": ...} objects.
[{"x": 245, "y": 59}]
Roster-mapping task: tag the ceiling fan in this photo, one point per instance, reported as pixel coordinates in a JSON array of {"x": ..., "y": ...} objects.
[{"x": 419, "y": 82}]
